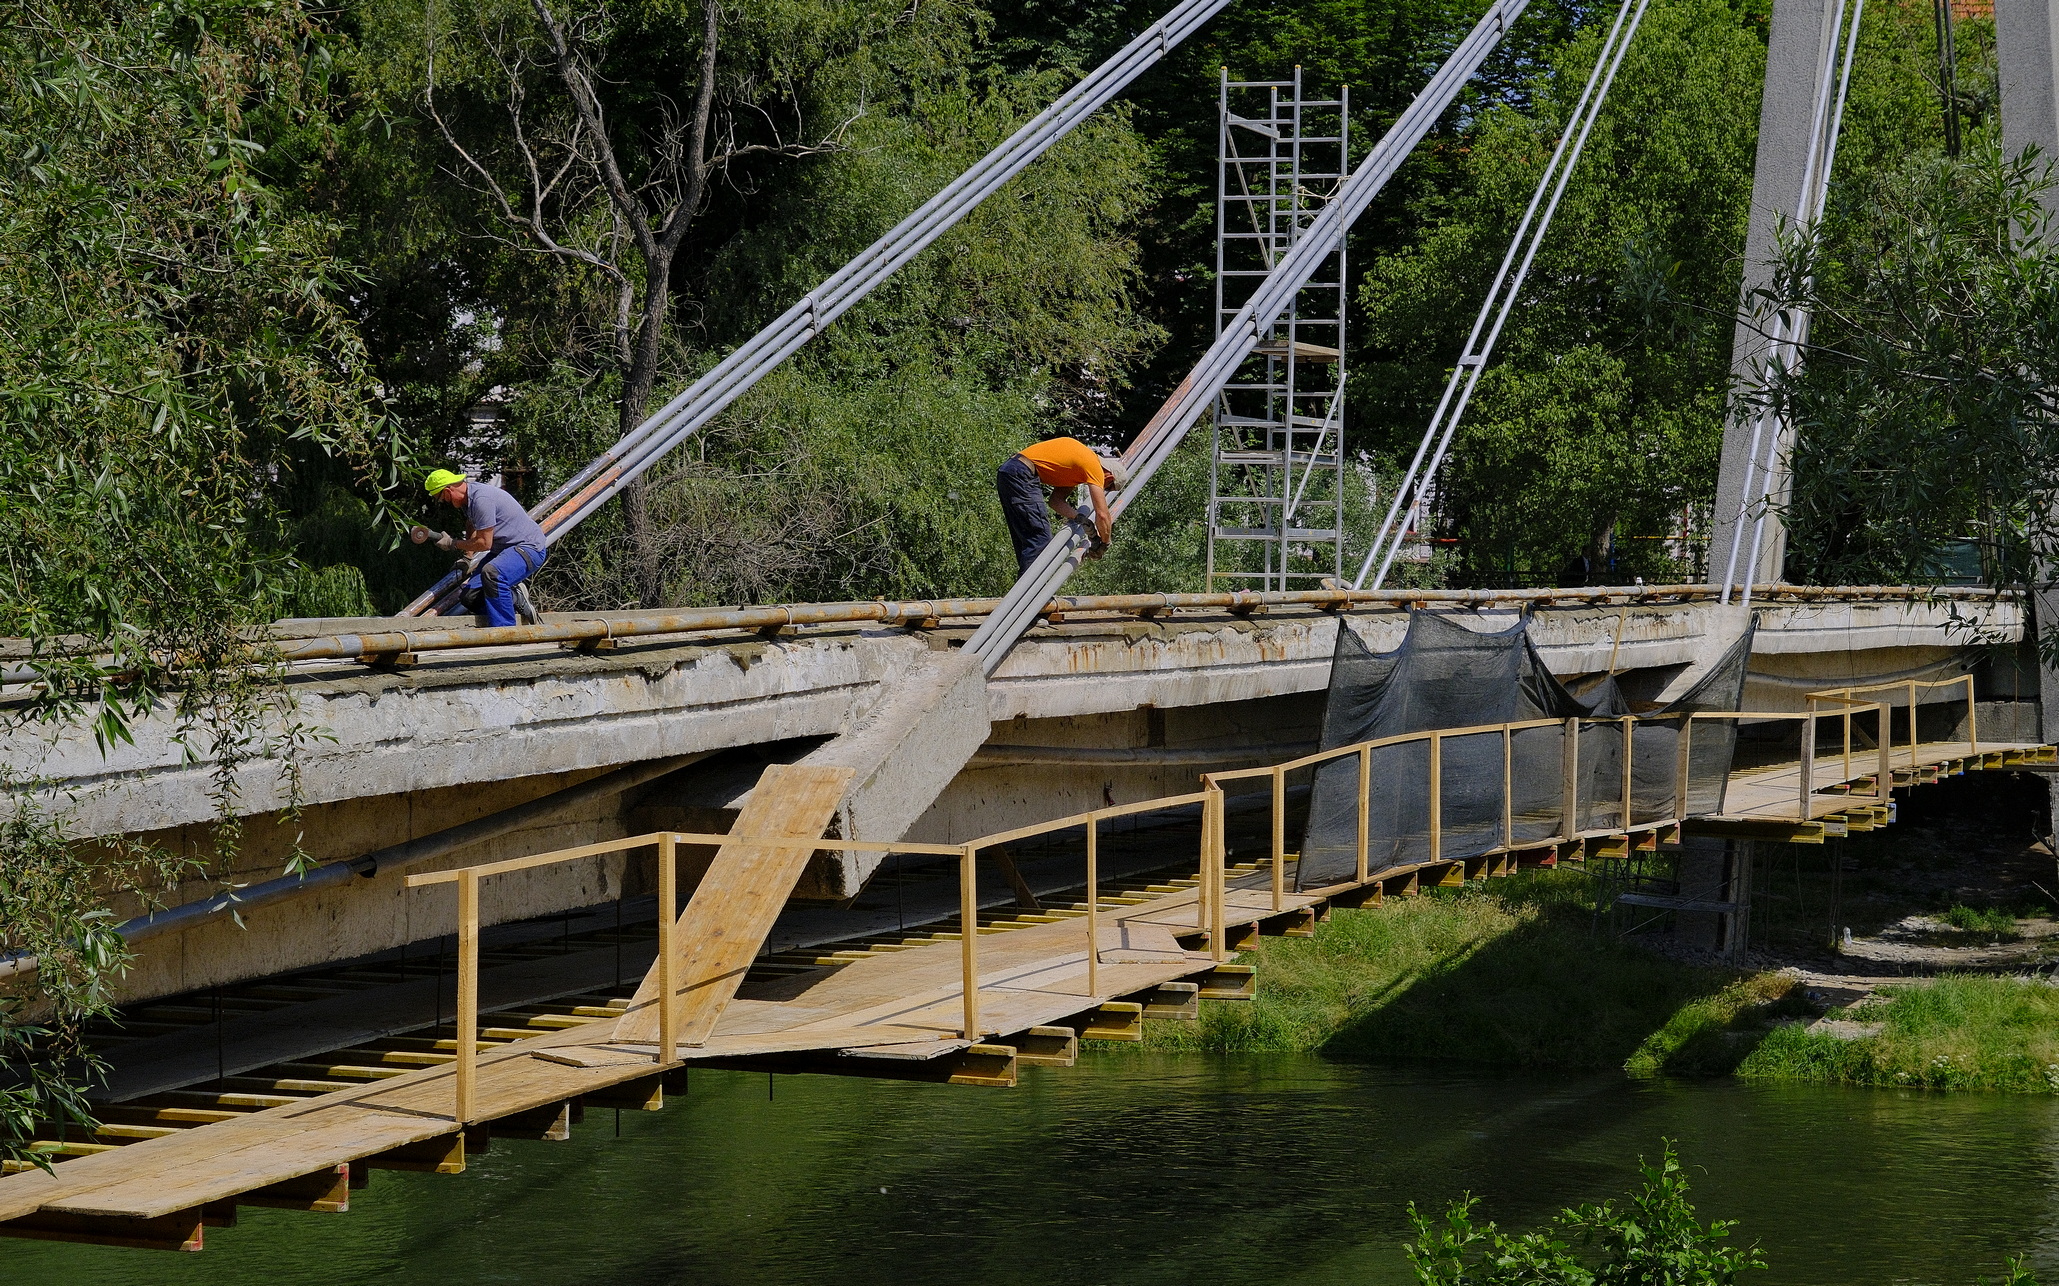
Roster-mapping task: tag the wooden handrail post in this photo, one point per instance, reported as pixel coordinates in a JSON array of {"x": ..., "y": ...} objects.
[
  {"x": 1682, "y": 762},
  {"x": 1215, "y": 807},
  {"x": 1808, "y": 763},
  {"x": 1094, "y": 897},
  {"x": 1884, "y": 788},
  {"x": 1436, "y": 795},
  {"x": 668, "y": 950},
  {"x": 1569, "y": 817},
  {"x": 1365, "y": 794},
  {"x": 1629, "y": 732},
  {"x": 1279, "y": 837},
  {"x": 1972, "y": 720},
  {"x": 468, "y": 994},
  {"x": 968, "y": 914},
  {"x": 1912, "y": 724},
  {"x": 1508, "y": 788},
  {"x": 1848, "y": 740}
]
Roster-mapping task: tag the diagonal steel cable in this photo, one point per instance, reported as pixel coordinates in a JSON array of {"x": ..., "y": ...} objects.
[
  {"x": 685, "y": 415},
  {"x": 1502, "y": 295},
  {"x": 1059, "y": 559}
]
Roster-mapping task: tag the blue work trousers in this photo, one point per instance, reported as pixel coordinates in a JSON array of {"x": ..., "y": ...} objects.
[
  {"x": 1022, "y": 504},
  {"x": 497, "y": 577}
]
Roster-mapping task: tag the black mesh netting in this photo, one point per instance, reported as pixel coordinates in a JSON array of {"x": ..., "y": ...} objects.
[{"x": 1447, "y": 676}]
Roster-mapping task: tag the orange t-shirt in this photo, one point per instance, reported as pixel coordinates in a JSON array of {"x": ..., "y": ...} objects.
[{"x": 1065, "y": 462}]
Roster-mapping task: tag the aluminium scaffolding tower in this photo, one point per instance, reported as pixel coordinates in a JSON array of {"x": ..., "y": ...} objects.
[{"x": 1276, "y": 474}]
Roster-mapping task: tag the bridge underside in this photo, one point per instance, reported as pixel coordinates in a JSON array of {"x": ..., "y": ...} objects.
[{"x": 1096, "y": 707}]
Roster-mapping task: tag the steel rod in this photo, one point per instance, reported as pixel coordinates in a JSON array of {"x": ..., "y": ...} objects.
[
  {"x": 685, "y": 414},
  {"x": 1062, "y": 556}
]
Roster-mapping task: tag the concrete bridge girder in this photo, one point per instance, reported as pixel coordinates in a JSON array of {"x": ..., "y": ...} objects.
[{"x": 480, "y": 717}]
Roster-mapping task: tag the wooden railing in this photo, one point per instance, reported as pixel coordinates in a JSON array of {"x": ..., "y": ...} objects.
[
  {"x": 1209, "y": 914},
  {"x": 1844, "y": 696},
  {"x": 1210, "y": 911}
]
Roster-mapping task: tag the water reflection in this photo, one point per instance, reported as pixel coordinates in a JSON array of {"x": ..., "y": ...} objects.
[{"x": 1146, "y": 1169}]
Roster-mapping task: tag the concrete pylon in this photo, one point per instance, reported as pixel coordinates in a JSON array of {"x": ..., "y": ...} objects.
[
  {"x": 2027, "y": 49},
  {"x": 1797, "y": 45}
]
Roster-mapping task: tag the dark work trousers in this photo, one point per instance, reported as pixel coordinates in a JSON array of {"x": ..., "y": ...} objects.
[
  {"x": 497, "y": 577},
  {"x": 1022, "y": 504}
]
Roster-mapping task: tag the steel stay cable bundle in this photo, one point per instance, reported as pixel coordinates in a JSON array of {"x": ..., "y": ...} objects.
[
  {"x": 1062, "y": 556},
  {"x": 562, "y": 510},
  {"x": 1502, "y": 295}
]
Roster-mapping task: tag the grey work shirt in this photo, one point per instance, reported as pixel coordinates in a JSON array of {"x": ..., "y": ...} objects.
[{"x": 488, "y": 506}]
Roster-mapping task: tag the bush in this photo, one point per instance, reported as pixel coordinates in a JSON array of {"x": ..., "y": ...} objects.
[
  {"x": 1658, "y": 1241},
  {"x": 1988, "y": 920}
]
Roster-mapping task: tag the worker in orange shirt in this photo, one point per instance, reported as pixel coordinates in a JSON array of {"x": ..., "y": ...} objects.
[{"x": 1063, "y": 465}]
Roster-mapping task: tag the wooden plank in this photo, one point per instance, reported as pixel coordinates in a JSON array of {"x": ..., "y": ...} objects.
[{"x": 747, "y": 884}]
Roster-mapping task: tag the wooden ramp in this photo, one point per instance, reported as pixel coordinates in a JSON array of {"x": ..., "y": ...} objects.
[
  {"x": 747, "y": 884},
  {"x": 890, "y": 1013},
  {"x": 1766, "y": 802},
  {"x": 157, "y": 1178}
]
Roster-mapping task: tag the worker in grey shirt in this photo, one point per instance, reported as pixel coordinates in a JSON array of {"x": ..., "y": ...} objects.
[{"x": 498, "y": 526}]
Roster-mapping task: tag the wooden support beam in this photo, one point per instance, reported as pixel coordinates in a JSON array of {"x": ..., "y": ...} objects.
[
  {"x": 1296, "y": 922},
  {"x": 1747, "y": 828},
  {"x": 732, "y": 910},
  {"x": 551, "y": 1123},
  {"x": 1004, "y": 861},
  {"x": 1228, "y": 982},
  {"x": 1367, "y": 894},
  {"x": 444, "y": 1154},
  {"x": 326, "y": 1190},
  {"x": 1113, "y": 1020},
  {"x": 1240, "y": 937},
  {"x": 181, "y": 1230},
  {"x": 1174, "y": 1001},
  {"x": 1046, "y": 1046},
  {"x": 644, "y": 1094},
  {"x": 991, "y": 1066}
]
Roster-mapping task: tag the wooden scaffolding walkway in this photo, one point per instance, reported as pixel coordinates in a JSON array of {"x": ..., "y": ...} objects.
[{"x": 965, "y": 1002}]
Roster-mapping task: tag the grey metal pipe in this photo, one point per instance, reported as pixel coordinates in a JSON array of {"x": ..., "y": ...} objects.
[
  {"x": 622, "y": 625},
  {"x": 1508, "y": 285},
  {"x": 393, "y": 858}
]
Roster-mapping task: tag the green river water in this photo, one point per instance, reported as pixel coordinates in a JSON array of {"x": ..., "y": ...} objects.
[{"x": 1144, "y": 1169}]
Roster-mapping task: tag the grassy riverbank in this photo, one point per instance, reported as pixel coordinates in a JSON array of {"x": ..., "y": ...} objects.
[
  {"x": 1512, "y": 973},
  {"x": 1963, "y": 1032},
  {"x": 1508, "y": 973}
]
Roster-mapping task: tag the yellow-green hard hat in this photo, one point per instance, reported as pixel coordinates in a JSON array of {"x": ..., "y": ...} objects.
[{"x": 441, "y": 479}]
